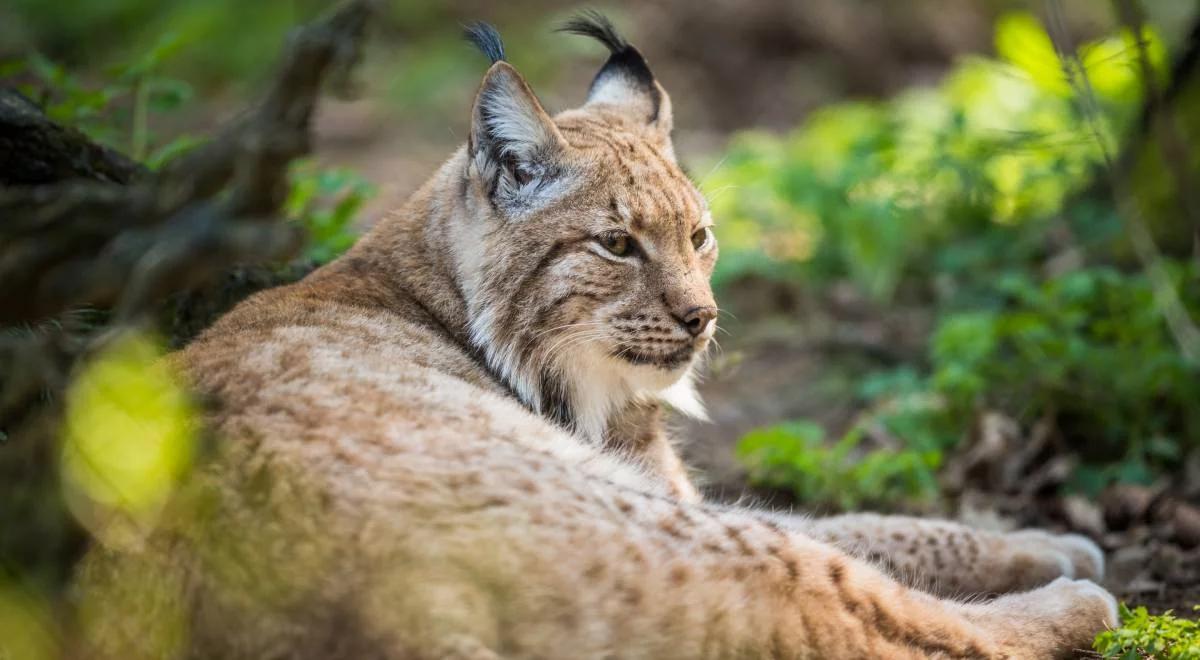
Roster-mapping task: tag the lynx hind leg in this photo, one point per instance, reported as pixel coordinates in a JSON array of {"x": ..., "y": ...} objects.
[{"x": 951, "y": 559}]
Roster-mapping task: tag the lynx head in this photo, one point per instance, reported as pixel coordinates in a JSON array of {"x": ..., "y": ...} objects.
[{"x": 585, "y": 253}]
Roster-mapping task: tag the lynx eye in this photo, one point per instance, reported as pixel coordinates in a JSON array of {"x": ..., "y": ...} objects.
[
  {"x": 617, "y": 242},
  {"x": 522, "y": 176},
  {"x": 701, "y": 238}
]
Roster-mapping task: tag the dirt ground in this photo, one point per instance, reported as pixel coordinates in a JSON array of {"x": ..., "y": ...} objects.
[{"x": 776, "y": 369}]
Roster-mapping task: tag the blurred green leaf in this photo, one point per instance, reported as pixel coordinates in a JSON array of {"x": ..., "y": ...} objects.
[
  {"x": 326, "y": 203},
  {"x": 1022, "y": 41},
  {"x": 171, "y": 150},
  {"x": 27, "y": 629},
  {"x": 129, "y": 436},
  {"x": 166, "y": 95}
]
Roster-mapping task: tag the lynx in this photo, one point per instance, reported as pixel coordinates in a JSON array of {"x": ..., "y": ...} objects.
[{"x": 449, "y": 442}]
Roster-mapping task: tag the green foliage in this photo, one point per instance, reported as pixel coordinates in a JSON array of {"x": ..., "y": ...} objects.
[
  {"x": 846, "y": 474},
  {"x": 225, "y": 39},
  {"x": 116, "y": 111},
  {"x": 227, "y": 46},
  {"x": 1142, "y": 635},
  {"x": 1090, "y": 347},
  {"x": 129, "y": 435},
  {"x": 949, "y": 182},
  {"x": 26, "y": 626},
  {"x": 325, "y": 202},
  {"x": 955, "y": 196}
]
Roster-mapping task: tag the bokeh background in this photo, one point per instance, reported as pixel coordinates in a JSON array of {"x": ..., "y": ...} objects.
[{"x": 958, "y": 238}]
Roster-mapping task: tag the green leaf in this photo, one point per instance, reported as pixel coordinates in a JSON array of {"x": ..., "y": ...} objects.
[
  {"x": 166, "y": 94},
  {"x": 1022, "y": 41},
  {"x": 173, "y": 149}
]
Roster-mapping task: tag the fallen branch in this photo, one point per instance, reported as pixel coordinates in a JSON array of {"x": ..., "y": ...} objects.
[
  {"x": 100, "y": 243},
  {"x": 35, "y": 150},
  {"x": 102, "y": 232}
]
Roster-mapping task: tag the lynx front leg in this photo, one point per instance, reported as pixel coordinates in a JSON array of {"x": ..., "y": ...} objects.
[
  {"x": 951, "y": 559},
  {"x": 639, "y": 432}
]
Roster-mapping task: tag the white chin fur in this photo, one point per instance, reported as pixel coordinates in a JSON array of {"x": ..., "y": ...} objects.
[
  {"x": 597, "y": 383},
  {"x": 676, "y": 388},
  {"x": 682, "y": 396},
  {"x": 600, "y": 385}
]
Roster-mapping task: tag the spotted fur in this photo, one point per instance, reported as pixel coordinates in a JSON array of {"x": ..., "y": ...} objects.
[{"x": 449, "y": 442}]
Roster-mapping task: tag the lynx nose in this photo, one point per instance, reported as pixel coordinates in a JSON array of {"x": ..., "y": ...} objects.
[{"x": 697, "y": 319}]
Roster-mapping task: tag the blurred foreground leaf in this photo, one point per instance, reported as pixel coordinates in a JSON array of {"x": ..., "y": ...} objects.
[
  {"x": 130, "y": 433},
  {"x": 26, "y": 629}
]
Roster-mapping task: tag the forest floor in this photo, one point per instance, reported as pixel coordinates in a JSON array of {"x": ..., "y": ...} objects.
[{"x": 768, "y": 372}]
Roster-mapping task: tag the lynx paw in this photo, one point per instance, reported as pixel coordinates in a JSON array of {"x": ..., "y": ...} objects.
[
  {"x": 1084, "y": 557},
  {"x": 1024, "y": 560},
  {"x": 1054, "y": 621}
]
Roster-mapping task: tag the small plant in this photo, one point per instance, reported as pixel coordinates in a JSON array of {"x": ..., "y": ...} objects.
[
  {"x": 325, "y": 202},
  {"x": 1089, "y": 348},
  {"x": 1143, "y": 636},
  {"x": 845, "y": 474},
  {"x": 116, "y": 111}
]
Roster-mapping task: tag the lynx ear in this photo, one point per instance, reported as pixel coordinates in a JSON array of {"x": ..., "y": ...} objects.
[
  {"x": 625, "y": 81},
  {"x": 513, "y": 142}
]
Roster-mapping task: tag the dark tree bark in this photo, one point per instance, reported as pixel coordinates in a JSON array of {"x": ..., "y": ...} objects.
[{"x": 35, "y": 150}]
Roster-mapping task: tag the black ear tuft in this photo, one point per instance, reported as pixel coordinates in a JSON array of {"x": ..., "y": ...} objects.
[
  {"x": 625, "y": 61},
  {"x": 486, "y": 39},
  {"x": 591, "y": 23}
]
